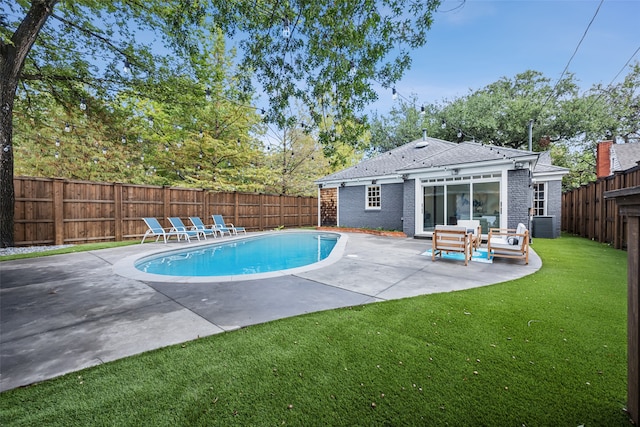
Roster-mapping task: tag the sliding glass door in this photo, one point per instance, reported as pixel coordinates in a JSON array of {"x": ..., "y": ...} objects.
[
  {"x": 448, "y": 203},
  {"x": 486, "y": 204}
]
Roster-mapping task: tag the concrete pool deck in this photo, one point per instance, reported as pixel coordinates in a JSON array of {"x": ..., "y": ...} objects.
[{"x": 63, "y": 313}]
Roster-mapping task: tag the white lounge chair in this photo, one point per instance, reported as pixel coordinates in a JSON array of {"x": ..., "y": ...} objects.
[
  {"x": 219, "y": 223},
  {"x": 472, "y": 225},
  {"x": 509, "y": 243},
  {"x": 178, "y": 226},
  {"x": 155, "y": 229},
  {"x": 198, "y": 225}
]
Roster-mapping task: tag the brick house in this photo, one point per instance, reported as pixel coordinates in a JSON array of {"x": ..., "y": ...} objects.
[{"x": 430, "y": 181}]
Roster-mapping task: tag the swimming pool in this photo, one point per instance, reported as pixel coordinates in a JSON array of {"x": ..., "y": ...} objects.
[{"x": 264, "y": 255}]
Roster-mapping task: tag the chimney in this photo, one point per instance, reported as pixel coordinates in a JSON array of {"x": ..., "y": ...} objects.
[
  {"x": 424, "y": 134},
  {"x": 603, "y": 159}
]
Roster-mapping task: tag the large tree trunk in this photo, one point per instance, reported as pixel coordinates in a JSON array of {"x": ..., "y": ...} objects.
[{"x": 12, "y": 57}]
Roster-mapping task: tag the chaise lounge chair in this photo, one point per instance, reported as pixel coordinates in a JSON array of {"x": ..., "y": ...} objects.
[
  {"x": 219, "y": 223},
  {"x": 509, "y": 243},
  {"x": 198, "y": 225},
  {"x": 155, "y": 229},
  {"x": 178, "y": 226},
  {"x": 451, "y": 238}
]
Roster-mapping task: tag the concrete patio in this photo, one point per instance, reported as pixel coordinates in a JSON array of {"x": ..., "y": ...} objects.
[{"x": 63, "y": 313}]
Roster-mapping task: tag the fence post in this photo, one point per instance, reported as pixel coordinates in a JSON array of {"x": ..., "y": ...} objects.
[
  {"x": 261, "y": 211},
  {"x": 58, "y": 211},
  {"x": 628, "y": 201},
  {"x": 117, "y": 211},
  {"x": 205, "y": 204},
  {"x": 166, "y": 203},
  {"x": 236, "y": 219}
]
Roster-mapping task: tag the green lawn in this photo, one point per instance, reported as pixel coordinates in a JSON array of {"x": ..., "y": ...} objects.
[{"x": 545, "y": 350}]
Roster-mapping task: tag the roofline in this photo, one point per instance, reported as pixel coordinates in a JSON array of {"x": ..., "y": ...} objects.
[{"x": 505, "y": 161}]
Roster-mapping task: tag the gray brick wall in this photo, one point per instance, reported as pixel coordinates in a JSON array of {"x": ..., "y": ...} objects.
[
  {"x": 409, "y": 214},
  {"x": 352, "y": 212},
  {"x": 519, "y": 198}
]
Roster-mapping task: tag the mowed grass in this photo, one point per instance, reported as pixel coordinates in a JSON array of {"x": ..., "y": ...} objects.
[{"x": 545, "y": 350}]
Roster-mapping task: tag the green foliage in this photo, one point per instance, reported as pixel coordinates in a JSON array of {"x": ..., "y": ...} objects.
[
  {"x": 546, "y": 349},
  {"x": 564, "y": 121}
]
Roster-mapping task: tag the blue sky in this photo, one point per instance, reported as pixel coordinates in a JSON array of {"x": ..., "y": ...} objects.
[{"x": 484, "y": 40}]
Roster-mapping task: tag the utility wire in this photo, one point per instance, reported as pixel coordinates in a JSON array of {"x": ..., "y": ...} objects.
[
  {"x": 572, "y": 56},
  {"x": 614, "y": 79}
]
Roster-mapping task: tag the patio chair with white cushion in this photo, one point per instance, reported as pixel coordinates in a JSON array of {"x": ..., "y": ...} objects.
[
  {"x": 509, "y": 243},
  {"x": 472, "y": 226}
]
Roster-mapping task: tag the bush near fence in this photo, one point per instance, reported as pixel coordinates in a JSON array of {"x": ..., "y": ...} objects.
[
  {"x": 60, "y": 211},
  {"x": 587, "y": 213}
]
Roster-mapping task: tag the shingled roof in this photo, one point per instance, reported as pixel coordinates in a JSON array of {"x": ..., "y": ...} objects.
[
  {"x": 425, "y": 153},
  {"x": 625, "y": 156}
]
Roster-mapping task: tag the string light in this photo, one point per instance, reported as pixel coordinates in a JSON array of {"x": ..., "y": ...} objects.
[
  {"x": 207, "y": 95},
  {"x": 394, "y": 94},
  {"x": 422, "y": 111},
  {"x": 127, "y": 67},
  {"x": 67, "y": 127},
  {"x": 57, "y": 142},
  {"x": 352, "y": 70},
  {"x": 286, "y": 30},
  {"x": 83, "y": 104}
]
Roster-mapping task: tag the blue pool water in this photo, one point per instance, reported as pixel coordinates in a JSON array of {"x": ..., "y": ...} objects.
[{"x": 261, "y": 254}]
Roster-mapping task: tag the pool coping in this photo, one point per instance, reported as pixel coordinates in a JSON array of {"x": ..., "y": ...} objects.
[{"x": 126, "y": 266}]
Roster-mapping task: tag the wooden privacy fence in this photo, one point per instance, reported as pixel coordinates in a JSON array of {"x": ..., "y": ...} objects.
[
  {"x": 60, "y": 211},
  {"x": 586, "y": 212}
]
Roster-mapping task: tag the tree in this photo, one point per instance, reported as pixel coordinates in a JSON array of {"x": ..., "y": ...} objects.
[
  {"x": 499, "y": 113},
  {"x": 304, "y": 50},
  {"x": 403, "y": 124}
]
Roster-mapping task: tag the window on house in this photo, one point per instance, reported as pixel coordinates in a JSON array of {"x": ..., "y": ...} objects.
[
  {"x": 539, "y": 199},
  {"x": 373, "y": 197}
]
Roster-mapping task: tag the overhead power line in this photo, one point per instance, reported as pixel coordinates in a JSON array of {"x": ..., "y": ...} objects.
[{"x": 572, "y": 56}]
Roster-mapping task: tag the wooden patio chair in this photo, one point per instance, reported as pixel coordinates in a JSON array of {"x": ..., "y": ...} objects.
[
  {"x": 451, "y": 238},
  {"x": 509, "y": 243}
]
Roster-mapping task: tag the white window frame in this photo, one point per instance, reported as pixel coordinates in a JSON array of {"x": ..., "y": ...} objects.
[
  {"x": 536, "y": 199},
  {"x": 373, "y": 202}
]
